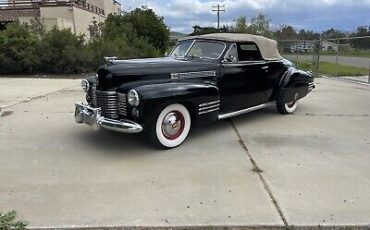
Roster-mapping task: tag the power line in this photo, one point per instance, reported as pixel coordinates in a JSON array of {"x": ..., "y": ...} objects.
[{"x": 218, "y": 8}]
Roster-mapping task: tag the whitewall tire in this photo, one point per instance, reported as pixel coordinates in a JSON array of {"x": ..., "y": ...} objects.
[
  {"x": 171, "y": 127},
  {"x": 287, "y": 108},
  {"x": 291, "y": 106}
]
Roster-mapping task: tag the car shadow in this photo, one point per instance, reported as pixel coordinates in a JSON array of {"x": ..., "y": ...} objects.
[{"x": 109, "y": 142}]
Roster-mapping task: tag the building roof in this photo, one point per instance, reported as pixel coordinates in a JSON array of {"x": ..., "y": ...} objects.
[
  {"x": 14, "y": 14},
  {"x": 268, "y": 47}
]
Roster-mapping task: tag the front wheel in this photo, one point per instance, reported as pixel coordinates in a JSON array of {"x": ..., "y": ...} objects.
[
  {"x": 171, "y": 127},
  {"x": 286, "y": 108}
]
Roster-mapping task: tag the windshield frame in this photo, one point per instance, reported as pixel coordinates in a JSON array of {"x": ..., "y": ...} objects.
[{"x": 199, "y": 40}]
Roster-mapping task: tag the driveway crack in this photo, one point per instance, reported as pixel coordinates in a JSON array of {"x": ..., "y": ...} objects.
[
  {"x": 36, "y": 97},
  {"x": 259, "y": 172}
]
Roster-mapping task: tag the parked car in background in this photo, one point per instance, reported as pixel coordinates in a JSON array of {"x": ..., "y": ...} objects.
[{"x": 204, "y": 79}]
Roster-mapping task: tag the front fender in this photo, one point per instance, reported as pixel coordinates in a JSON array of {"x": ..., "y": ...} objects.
[{"x": 154, "y": 97}]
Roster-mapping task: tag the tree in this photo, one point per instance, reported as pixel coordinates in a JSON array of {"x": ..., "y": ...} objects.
[
  {"x": 260, "y": 25},
  {"x": 197, "y": 30},
  {"x": 137, "y": 26},
  {"x": 285, "y": 33},
  {"x": 308, "y": 35},
  {"x": 241, "y": 25},
  {"x": 150, "y": 26},
  {"x": 363, "y": 43},
  {"x": 333, "y": 33}
]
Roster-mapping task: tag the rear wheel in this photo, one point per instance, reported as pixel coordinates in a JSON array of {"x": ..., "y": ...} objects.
[
  {"x": 287, "y": 108},
  {"x": 171, "y": 127}
]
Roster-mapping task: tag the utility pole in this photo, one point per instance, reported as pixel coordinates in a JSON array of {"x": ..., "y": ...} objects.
[{"x": 218, "y": 8}]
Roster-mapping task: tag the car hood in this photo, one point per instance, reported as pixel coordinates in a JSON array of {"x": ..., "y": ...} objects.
[{"x": 119, "y": 72}]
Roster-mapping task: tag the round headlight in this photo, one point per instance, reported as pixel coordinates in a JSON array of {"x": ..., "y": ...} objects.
[
  {"x": 133, "y": 98},
  {"x": 85, "y": 85}
]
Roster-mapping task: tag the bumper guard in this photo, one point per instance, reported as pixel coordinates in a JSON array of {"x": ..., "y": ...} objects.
[{"x": 92, "y": 117}]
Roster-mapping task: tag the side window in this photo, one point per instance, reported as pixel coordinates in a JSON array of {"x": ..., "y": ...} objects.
[
  {"x": 249, "y": 52},
  {"x": 232, "y": 54}
]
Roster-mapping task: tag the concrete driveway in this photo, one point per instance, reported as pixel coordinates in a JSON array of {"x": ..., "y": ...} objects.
[{"x": 261, "y": 169}]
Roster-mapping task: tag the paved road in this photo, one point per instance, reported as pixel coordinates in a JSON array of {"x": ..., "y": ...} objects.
[
  {"x": 313, "y": 166},
  {"x": 352, "y": 61}
]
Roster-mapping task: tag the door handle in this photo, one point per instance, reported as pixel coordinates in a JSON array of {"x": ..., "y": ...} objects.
[{"x": 265, "y": 67}]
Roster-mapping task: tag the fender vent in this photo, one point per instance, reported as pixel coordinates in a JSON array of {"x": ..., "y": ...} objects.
[{"x": 199, "y": 74}]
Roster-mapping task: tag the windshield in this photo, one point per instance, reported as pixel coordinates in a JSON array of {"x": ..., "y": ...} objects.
[{"x": 201, "y": 49}]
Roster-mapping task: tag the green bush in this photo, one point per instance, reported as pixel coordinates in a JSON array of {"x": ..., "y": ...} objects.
[
  {"x": 30, "y": 49},
  {"x": 18, "y": 50},
  {"x": 8, "y": 221},
  {"x": 62, "y": 52}
]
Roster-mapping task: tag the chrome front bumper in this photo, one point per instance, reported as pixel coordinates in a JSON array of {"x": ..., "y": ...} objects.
[{"x": 92, "y": 117}]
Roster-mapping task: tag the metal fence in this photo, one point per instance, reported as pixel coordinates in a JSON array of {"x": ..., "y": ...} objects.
[{"x": 341, "y": 57}]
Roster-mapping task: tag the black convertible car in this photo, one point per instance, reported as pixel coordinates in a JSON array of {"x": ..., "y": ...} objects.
[{"x": 204, "y": 79}]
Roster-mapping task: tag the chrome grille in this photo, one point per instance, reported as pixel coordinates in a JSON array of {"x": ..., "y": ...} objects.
[
  {"x": 122, "y": 104},
  {"x": 107, "y": 101},
  {"x": 93, "y": 96}
]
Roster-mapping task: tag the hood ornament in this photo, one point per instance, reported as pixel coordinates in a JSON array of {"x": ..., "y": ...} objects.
[{"x": 110, "y": 59}]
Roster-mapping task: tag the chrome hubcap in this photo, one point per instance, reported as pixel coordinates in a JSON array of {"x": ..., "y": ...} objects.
[
  {"x": 173, "y": 125},
  {"x": 291, "y": 104}
]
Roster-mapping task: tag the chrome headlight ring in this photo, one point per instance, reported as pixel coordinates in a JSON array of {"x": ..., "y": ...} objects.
[
  {"x": 85, "y": 85},
  {"x": 133, "y": 98}
]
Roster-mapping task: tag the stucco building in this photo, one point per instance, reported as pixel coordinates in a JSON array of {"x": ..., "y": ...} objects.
[{"x": 77, "y": 15}]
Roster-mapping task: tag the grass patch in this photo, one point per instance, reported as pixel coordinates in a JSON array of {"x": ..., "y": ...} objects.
[
  {"x": 332, "y": 69},
  {"x": 349, "y": 53}
]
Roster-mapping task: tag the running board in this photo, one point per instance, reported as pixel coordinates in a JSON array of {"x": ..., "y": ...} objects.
[{"x": 251, "y": 109}]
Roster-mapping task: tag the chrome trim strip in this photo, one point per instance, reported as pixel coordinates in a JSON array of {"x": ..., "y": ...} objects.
[
  {"x": 209, "y": 103},
  {"x": 248, "y": 110},
  {"x": 208, "y": 111},
  {"x": 209, "y": 107},
  {"x": 107, "y": 93},
  {"x": 199, "y": 74}
]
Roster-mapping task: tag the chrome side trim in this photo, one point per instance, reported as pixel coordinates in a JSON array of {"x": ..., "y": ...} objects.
[
  {"x": 199, "y": 74},
  {"x": 248, "y": 110},
  {"x": 208, "y": 111},
  {"x": 209, "y": 103}
]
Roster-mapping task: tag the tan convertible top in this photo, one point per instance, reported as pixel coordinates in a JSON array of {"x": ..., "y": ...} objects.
[{"x": 268, "y": 47}]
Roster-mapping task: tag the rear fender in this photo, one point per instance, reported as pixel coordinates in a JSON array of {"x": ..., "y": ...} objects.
[{"x": 294, "y": 85}]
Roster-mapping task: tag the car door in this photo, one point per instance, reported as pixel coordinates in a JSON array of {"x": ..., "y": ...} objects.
[{"x": 242, "y": 77}]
